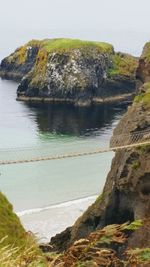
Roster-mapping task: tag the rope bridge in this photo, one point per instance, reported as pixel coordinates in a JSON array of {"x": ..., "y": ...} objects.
[{"x": 118, "y": 142}]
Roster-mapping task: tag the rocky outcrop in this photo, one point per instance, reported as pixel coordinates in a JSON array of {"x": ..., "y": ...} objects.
[
  {"x": 126, "y": 195},
  {"x": 76, "y": 71},
  {"x": 143, "y": 71},
  {"x": 19, "y": 63}
]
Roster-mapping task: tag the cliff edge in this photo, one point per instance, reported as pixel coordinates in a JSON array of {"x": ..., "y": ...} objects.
[{"x": 126, "y": 195}]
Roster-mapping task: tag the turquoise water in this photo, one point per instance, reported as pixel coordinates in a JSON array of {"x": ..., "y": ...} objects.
[{"x": 47, "y": 130}]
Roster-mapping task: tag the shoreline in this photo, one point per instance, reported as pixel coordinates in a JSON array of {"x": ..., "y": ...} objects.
[
  {"x": 94, "y": 101},
  {"x": 49, "y": 221}
]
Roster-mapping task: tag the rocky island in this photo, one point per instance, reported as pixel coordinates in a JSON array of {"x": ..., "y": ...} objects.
[{"x": 69, "y": 70}]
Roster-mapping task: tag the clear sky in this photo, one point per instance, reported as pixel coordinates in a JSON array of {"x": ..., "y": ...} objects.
[{"x": 125, "y": 23}]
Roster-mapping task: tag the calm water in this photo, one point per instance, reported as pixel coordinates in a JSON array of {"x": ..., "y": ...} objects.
[{"x": 53, "y": 129}]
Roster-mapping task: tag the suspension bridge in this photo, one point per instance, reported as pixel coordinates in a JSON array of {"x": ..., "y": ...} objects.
[{"x": 118, "y": 142}]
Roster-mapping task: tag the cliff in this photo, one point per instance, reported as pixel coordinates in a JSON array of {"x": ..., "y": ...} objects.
[
  {"x": 81, "y": 72},
  {"x": 126, "y": 195}
]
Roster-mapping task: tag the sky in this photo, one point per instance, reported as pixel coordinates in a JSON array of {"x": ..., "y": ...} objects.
[{"x": 124, "y": 23}]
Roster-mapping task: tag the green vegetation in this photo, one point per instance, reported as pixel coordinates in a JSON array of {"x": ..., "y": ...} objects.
[
  {"x": 17, "y": 248},
  {"x": 135, "y": 165},
  {"x": 123, "y": 64},
  {"x": 144, "y": 96},
  {"x": 110, "y": 232},
  {"x": 146, "y": 86},
  {"x": 20, "y": 55},
  {"x": 31, "y": 256},
  {"x": 134, "y": 225},
  {"x": 144, "y": 148},
  {"x": 10, "y": 224},
  {"x": 139, "y": 256},
  {"x": 144, "y": 99},
  {"x": 62, "y": 45},
  {"x": 146, "y": 52},
  {"x": 59, "y": 45},
  {"x": 99, "y": 198},
  {"x": 40, "y": 67}
]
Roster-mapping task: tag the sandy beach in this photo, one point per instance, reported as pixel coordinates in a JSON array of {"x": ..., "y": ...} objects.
[{"x": 49, "y": 221}]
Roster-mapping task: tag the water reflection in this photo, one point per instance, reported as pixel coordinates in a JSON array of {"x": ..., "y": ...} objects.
[{"x": 69, "y": 120}]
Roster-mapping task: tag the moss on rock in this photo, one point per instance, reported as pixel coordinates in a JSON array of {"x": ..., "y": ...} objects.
[
  {"x": 144, "y": 97},
  {"x": 20, "y": 55},
  {"x": 123, "y": 64},
  {"x": 40, "y": 67}
]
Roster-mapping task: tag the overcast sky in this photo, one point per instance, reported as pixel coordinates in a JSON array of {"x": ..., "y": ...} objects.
[{"x": 125, "y": 23}]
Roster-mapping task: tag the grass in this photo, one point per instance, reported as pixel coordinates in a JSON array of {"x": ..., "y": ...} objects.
[
  {"x": 31, "y": 256},
  {"x": 62, "y": 45},
  {"x": 17, "y": 248},
  {"x": 10, "y": 224},
  {"x": 123, "y": 64}
]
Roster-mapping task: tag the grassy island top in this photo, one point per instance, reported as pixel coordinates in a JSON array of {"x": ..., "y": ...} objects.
[
  {"x": 65, "y": 45},
  {"x": 60, "y": 46}
]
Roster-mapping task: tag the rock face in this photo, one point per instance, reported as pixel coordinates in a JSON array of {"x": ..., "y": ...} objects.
[
  {"x": 19, "y": 63},
  {"x": 77, "y": 71},
  {"x": 143, "y": 71},
  {"x": 126, "y": 195}
]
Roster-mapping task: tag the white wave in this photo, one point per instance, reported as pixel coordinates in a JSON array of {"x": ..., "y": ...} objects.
[{"x": 54, "y": 206}]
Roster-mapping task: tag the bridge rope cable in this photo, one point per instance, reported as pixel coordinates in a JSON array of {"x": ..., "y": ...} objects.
[{"x": 118, "y": 142}]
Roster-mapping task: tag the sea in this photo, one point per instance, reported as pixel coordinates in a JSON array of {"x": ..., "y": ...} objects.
[{"x": 49, "y": 196}]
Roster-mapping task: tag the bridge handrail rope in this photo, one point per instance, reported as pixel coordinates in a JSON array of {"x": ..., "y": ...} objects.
[{"x": 133, "y": 139}]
